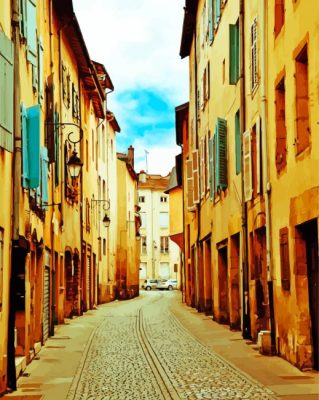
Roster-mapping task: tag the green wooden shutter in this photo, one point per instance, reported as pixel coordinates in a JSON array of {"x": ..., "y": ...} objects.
[
  {"x": 33, "y": 126},
  {"x": 31, "y": 31},
  {"x": 221, "y": 154},
  {"x": 57, "y": 147},
  {"x": 238, "y": 142},
  {"x": 44, "y": 177},
  {"x": 210, "y": 22},
  {"x": 233, "y": 54},
  {"x": 50, "y": 119},
  {"x": 25, "y": 148},
  {"x": 6, "y": 92}
]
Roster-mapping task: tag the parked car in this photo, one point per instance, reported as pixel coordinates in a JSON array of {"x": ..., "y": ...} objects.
[
  {"x": 150, "y": 284},
  {"x": 168, "y": 284}
]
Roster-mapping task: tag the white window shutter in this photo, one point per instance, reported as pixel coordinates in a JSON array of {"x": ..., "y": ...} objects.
[
  {"x": 248, "y": 190},
  {"x": 258, "y": 156},
  {"x": 196, "y": 176},
  {"x": 207, "y": 72},
  {"x": 189, "y": 183}
]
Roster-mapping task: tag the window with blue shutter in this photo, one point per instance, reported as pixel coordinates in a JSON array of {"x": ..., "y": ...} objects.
[
  {"x": 31, "y": 31},
  {"x": 238, "y": 142},
  {"x": 210, "y": 21},
  {"x": 23, "y": 18},
  {"x": 33, "y": 131},
  {"x": 221, "y": 154},
  {"x": 6, "y": 92},
  {"x": 233, "y": 53},
  {"x": 216, "y": 13},
  {"x": 44, "y": 177},
  {"x": 25, "y": 148}
]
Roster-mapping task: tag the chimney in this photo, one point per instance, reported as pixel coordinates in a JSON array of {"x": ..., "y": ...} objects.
[{"x": 130, "y": 156}]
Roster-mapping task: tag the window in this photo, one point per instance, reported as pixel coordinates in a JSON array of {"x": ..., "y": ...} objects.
[
  {"x": 28, "y": 28},
  {"x": 302, "y": 101},
  {"x": 189, "y": 184},
  {"x": 141, "y": 199},
  {"x": 256, "y": 159},
  {"x": 30, "y": 127},
  {"x": 1, "y": 266},
  {"x": 163, "y": 219},
  {"x": 75, "y": 103},
  {"x": 92, "y": 147},
  {"x": 88, "y": 215},
  {"x": 143, "y": 245},
  {"x": 104, "y": 247},
  {"x": 221, "y": 168},
  {"x": 284, "y": 259},
  {"x": 6, "y": 92},
  {"x": 238, "y": 142},
  {"x": 216, "y": 13},
  {"x": 254, "y": 78},
  {"x": 66, "y": 86},
  {"x": 281, "y": 133},
  {"x": 279, "y": 15},
  {"x": 143, "y": 219},
  {"x": 163, "y": 199},
  {"x": 164, "y": 244},
  {"x": 234, "y": 53}
]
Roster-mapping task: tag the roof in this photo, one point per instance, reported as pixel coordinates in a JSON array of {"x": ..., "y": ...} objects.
[
  {"x": 71, "y": 28},
  {"x": 112, "y": 120},
  {"x": 104, "y": 77},
  {"x": 181, "y": 112},
  {"x": 155, "y": 182},
  {"x": 189, "y": 22},
  {"x": 172, "y": 184}
]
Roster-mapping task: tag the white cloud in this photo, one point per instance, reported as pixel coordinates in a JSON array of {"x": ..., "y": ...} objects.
[
  {"x": 160, "y": 159},
  {"x": 138, "y": 42}
]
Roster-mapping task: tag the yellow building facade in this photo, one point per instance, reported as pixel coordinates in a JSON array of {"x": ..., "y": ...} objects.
[{"x": 250, "y": 165}]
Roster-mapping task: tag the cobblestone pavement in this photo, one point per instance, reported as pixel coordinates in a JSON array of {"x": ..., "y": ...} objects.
[{"x": 141, "y": 351}]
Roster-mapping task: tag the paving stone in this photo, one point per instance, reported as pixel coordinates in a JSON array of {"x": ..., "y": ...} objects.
[{"x": 117, "y": 366}]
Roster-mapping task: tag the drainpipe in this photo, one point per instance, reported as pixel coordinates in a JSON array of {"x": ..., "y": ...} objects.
[
  {"x": 11, "y": 371},
  {"x": 198, "y": 205},
  {"x": 246, "y": 331},
  {"x": 184, "y": 262},
  {"x": 266, "y": 183}
]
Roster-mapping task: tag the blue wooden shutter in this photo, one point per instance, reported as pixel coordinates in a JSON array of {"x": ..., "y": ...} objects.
[
  {"x": 33, "y": 126},
  {"x": 57, "y": 147},
  {"x": 221, "y": 154},
  {"x": 44, "y": 176},
  {"x": 216, "y": 13},
  {"x": 238, "y": 142},
  {"x": 25, "y": 148},
  {"x": 233, "y": 54},
  {"x": 210, "y": 22},
  {"x": 6, "y": 92},
  {"x": 23, "y": 19},
  {"x": 31, "y": 31}
]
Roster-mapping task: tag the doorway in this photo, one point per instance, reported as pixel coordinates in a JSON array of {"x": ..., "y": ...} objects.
[
  {"x": 307, "y": 248},
  {"x": 223, "y": 285}
]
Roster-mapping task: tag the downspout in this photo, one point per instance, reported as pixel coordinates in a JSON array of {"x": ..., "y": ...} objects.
[
  {"x": 266, "y": 183},
  {"x": 196, "y": 131},
  {"x": 53, "y": 261},
  {"x": 11, "y": 370},
  {"x": 183, "y": 272},
  {"x": 82, "y": 262},
  {"x": 246, "y": 331}
]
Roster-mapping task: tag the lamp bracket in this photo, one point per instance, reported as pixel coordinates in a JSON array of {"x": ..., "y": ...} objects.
[
  {"x": 106, "y": 203},
  {"x": 64, "y": 125}
]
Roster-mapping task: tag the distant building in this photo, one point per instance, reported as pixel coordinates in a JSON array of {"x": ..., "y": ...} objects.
[{"x": 159, "y": 254}]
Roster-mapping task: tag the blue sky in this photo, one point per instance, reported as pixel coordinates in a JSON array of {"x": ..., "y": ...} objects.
[{"x": 138, "y": 42}]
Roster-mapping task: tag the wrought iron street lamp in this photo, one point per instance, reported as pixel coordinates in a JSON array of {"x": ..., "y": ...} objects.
[{"x": 74, "y": 165}]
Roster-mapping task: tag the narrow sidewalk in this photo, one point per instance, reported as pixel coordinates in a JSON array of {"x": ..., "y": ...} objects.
[{"x": 285, "y": 380}]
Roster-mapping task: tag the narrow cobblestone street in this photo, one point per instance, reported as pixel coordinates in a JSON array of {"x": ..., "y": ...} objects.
[
  {"x": 154, "y": 347},
  {"x": 142, "y": 351}
]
